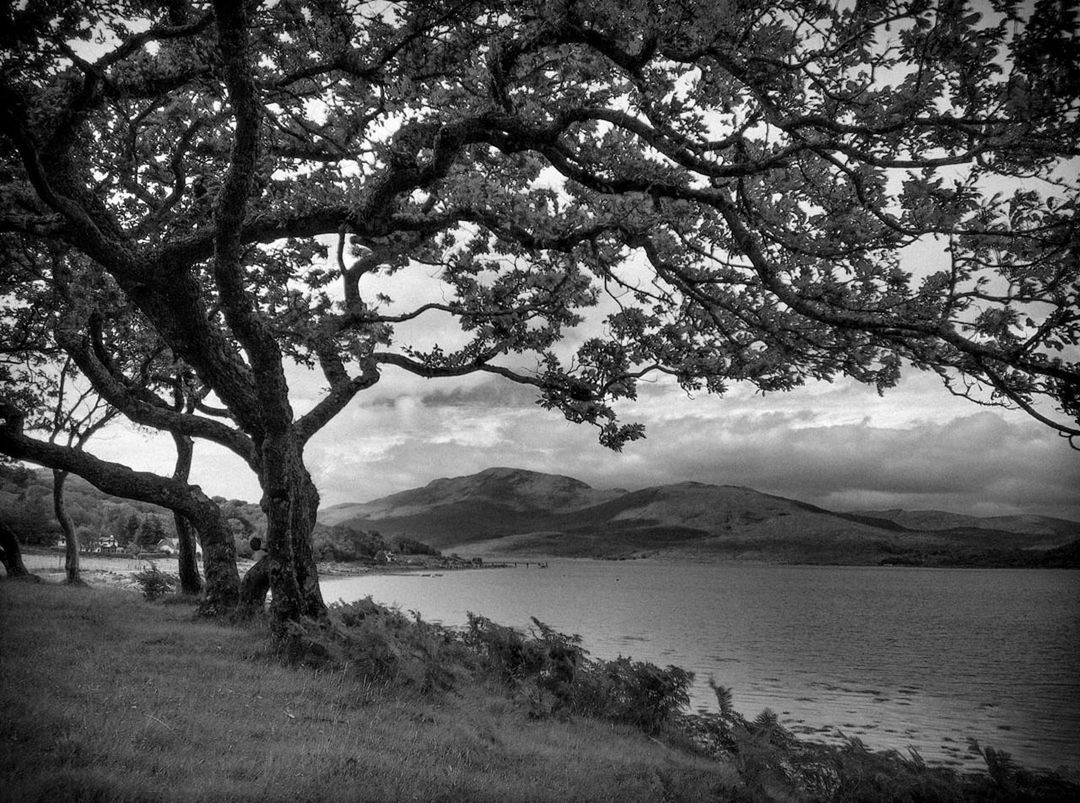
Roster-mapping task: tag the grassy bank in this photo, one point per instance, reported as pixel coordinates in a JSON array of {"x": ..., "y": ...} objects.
[{"x": 106, "y": 697}]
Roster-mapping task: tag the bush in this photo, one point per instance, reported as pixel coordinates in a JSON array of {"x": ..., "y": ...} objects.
[
  {"x": 515, "y": 657},
  {"x": 156, "y": 583},
  {"x": 635, "y": 692},
  {"x": 553, "y": 671},
  {"x": 380, "y": 645}
]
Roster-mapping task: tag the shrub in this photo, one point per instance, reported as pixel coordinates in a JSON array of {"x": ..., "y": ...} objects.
[
  {"x": 635, "y": 692},
  {"x": 380, "y": 645},
  {"x": 156, "y": 583},
  {"x": 516, "y": 657},
  {"x": 553, "y": 672}
]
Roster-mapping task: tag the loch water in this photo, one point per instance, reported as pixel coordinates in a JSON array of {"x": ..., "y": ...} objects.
[{"x": 898, "y": 657}]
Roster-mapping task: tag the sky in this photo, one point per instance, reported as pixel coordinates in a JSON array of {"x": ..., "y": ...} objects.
[{"x": 839, "y": 445}]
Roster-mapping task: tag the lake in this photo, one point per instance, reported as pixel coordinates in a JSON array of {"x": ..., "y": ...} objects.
[{"x": 899, "y": 657}]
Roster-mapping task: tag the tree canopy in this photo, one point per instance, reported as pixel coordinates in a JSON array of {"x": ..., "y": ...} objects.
[{"x": 737, "y": 189}]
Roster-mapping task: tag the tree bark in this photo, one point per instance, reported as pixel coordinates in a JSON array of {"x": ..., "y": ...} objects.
[
  {"x": 305, "y": 511},
  {"x": 187, "y": 559},
  {"x": 290, "y": 502},
  {"x": 71, "y": 538},
  {"x": 11, "y": 554},
  {"x": 255, "y": 586}
]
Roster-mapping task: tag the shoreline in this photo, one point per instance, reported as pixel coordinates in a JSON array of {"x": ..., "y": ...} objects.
[{"x": 118, "y": 571}]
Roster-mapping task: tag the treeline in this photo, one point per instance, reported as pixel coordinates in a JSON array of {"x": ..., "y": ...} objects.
[
  {"x": 356, "y": 546},
  {"x": 26, "y": 506},
  {"x": 106, "y": 522},
  {"x": 1062, "y": 557}
]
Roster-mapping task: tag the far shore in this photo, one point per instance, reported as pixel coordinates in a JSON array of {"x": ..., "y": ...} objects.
[{"x": 118, "y": 571}]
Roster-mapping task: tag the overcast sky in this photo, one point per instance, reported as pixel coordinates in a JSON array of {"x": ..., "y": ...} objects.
[{"x": 838, "y": 445}]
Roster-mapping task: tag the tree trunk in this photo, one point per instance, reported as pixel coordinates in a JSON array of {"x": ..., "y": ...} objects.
[
  {"x": 290, "y": 501},
  {"x": 71, "y": 538},
  {"x": 219, "y": 560},
  {"x": 188, "y": 557},
  {"x": 188, "y": 567},
  {"x": 305, "y": 509},
  {"x": 11, "y": 554},
  {"x": 255, "y": 586}
]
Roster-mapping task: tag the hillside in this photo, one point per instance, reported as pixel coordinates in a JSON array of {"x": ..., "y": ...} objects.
[
  {"x": 504, "y": 512},
  {"x": 514, "y": 490},
  {"x": 941, "y": 520}
]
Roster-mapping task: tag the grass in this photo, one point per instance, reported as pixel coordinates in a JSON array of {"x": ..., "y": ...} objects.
[{"x": 104, "y": 696}]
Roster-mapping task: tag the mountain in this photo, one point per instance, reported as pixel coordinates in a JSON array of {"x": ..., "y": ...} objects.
[
  {"x": 940, "y": 520},
  {"x": 505, "y": 511},
  {"x": 509, "y": 488}
]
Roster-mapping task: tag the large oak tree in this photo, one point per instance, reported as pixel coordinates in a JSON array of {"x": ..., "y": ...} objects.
[{"x": 737, "y": 184}]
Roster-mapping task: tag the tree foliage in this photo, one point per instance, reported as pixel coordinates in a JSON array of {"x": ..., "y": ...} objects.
[{"x": 727, "y": 191}]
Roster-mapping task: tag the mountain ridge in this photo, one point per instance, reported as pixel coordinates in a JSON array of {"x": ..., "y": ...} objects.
[{"x": 505, "y": 511}]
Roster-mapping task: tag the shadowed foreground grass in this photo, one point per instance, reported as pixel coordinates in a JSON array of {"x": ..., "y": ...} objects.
[{"x": 106, "y": 697}]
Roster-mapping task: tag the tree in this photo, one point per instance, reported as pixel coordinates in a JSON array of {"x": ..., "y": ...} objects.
[
  {"x": 75, "y": 416},
  {"x": 130, "y": 532},
  {"x": 11, "y": 553},
  {"x": 728, "y": 187},
  {"x": 49, "y": 334},
  {"x": 151, "y": 532},
  {"x": 187, "y": 563}
]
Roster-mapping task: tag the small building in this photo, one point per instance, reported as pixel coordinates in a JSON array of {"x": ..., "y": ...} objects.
[{"x": 107, "y": 543}]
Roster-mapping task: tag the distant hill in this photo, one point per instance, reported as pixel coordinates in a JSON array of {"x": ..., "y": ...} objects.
[
  {"x": 514, "y": 490},
  {"x": 505, "y": 511},
  {"x": 941, "y": 520}
]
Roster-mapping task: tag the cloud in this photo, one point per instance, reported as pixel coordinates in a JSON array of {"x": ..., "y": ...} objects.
[
  {"x": 841, "y": 446},
  {"x": 489, "y": 393},
  {"x": 984, "y": 462}
]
